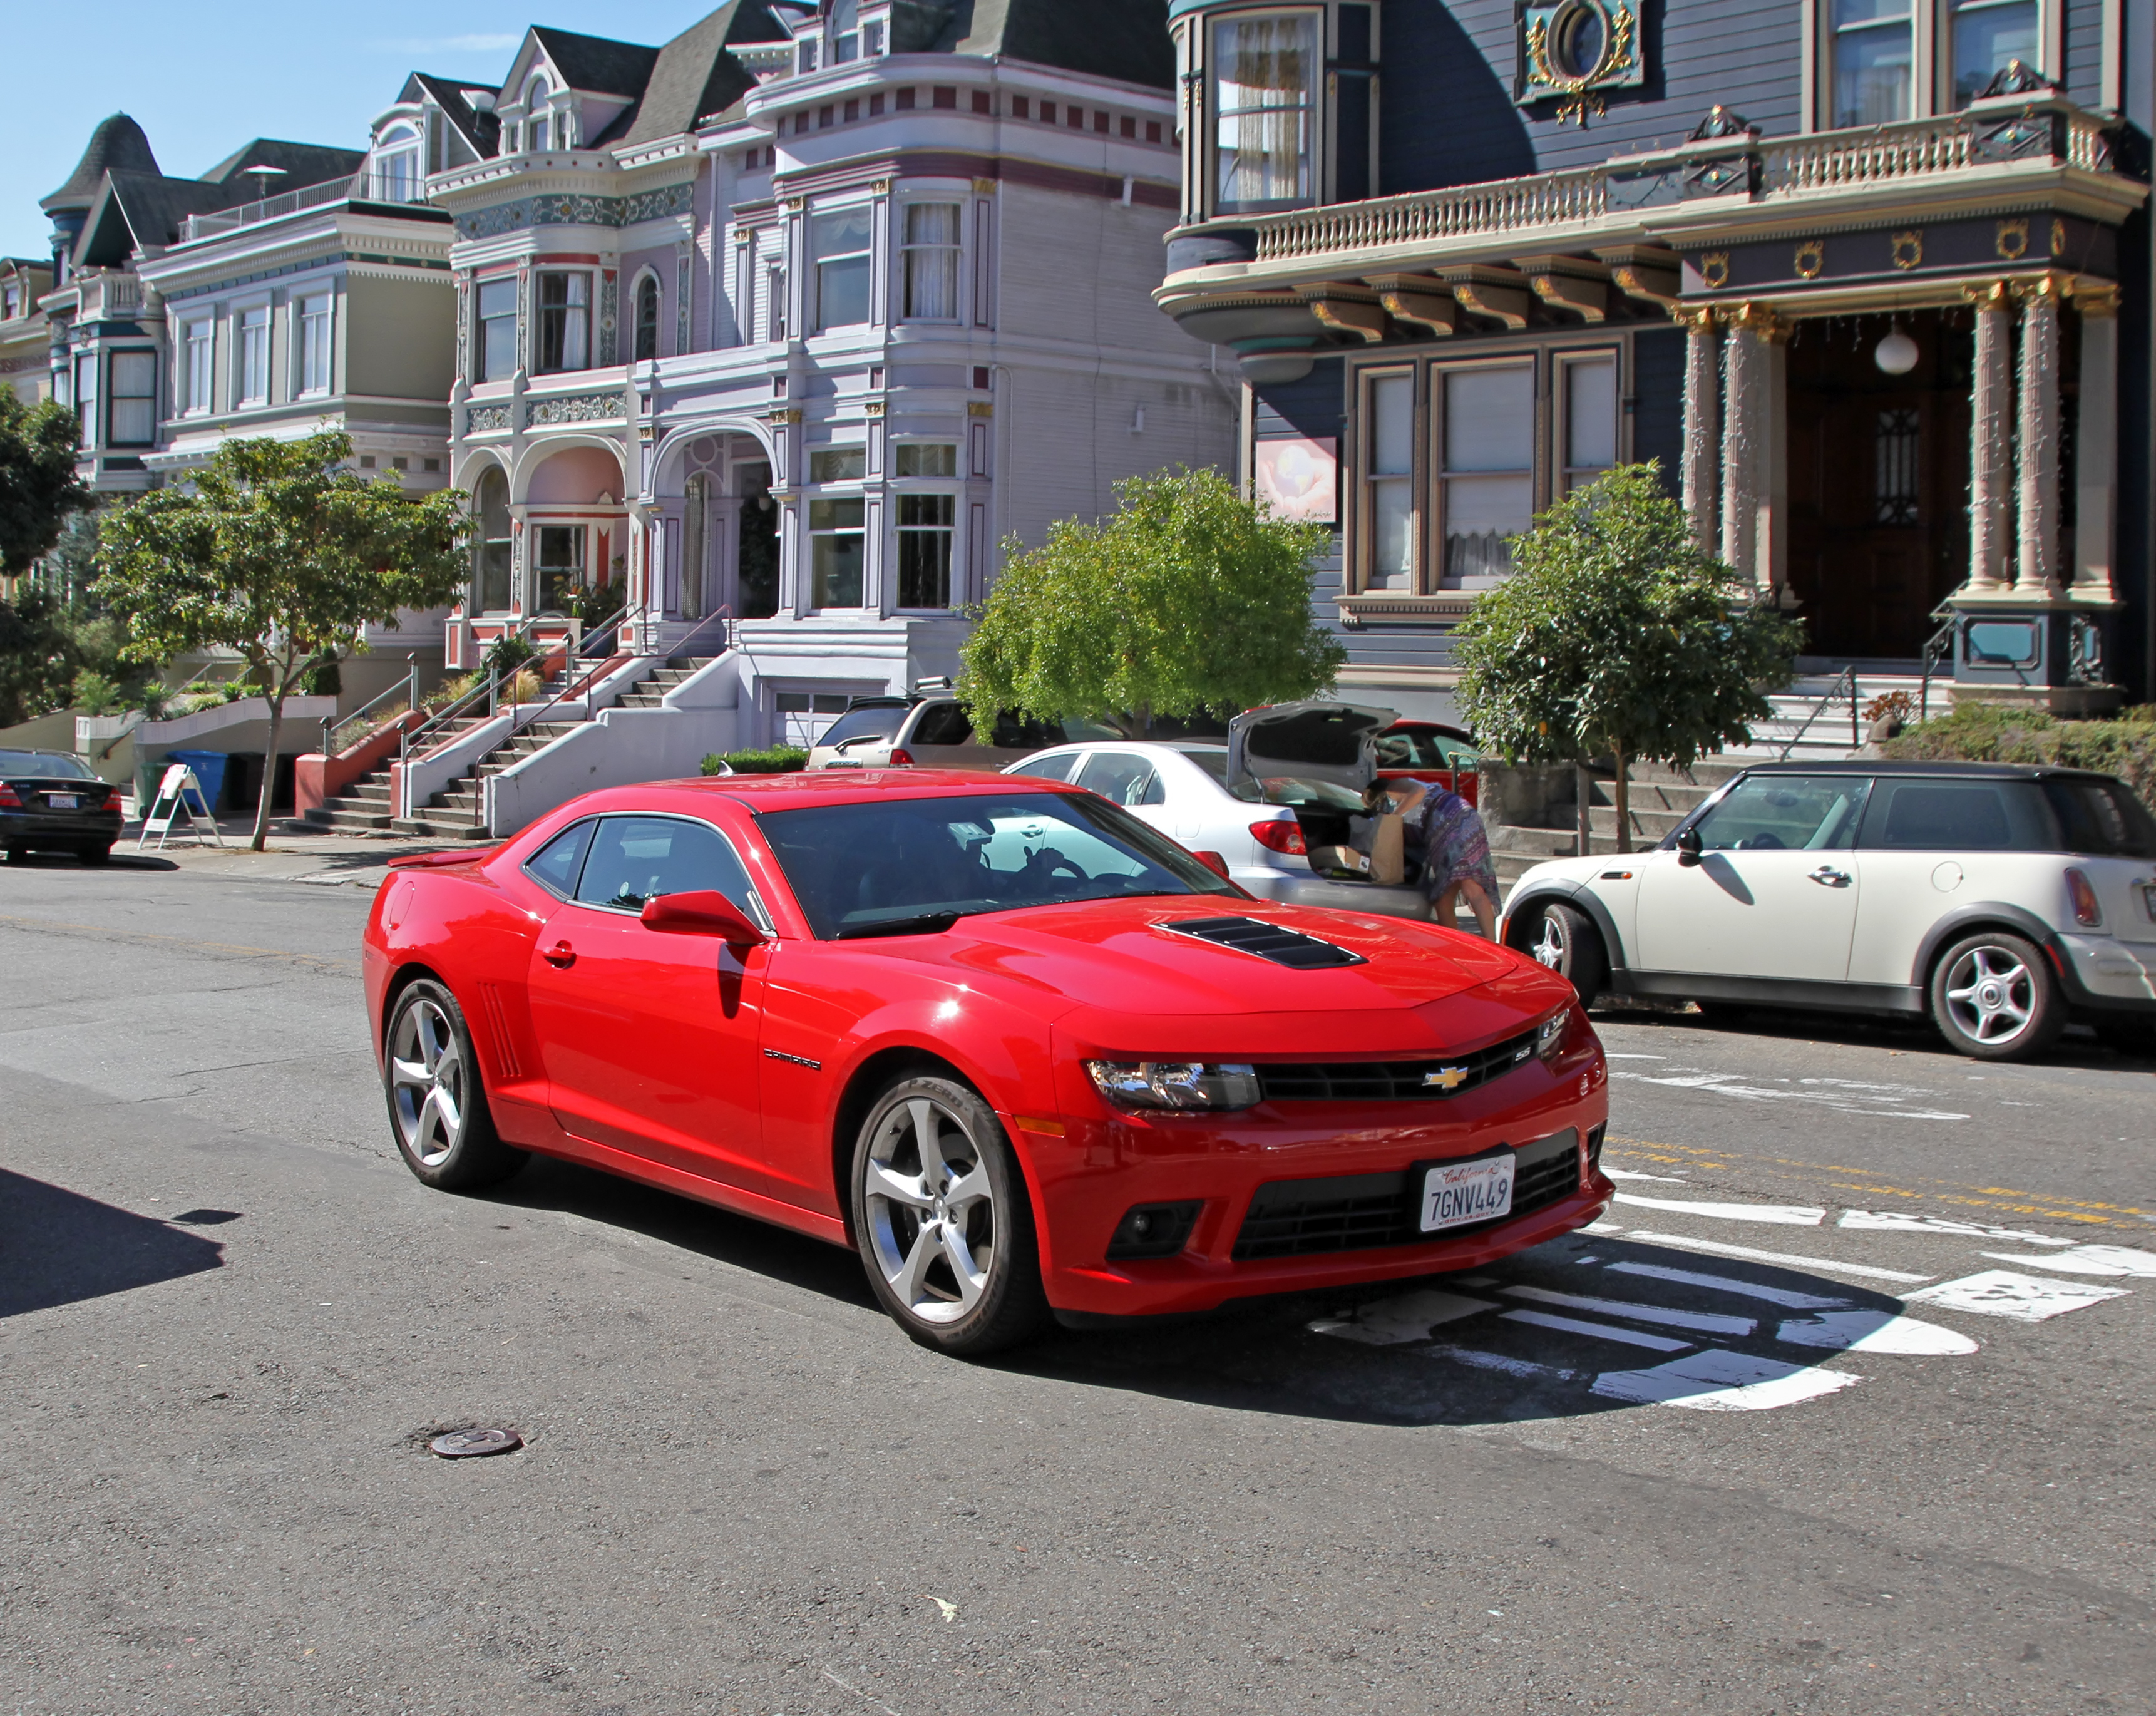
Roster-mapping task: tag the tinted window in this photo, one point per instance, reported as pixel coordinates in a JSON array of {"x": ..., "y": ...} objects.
[
  {"x": 1123, "y": 778},
  {"x": 636, "y": 858},
  {"x": 943, "y": 724},
  {"x": 1419, "y": 747},
  {"x": 1055, "y": 768},
  {"x": 1783, "y": 813},
  {"x": 855, "y": 867},
  {"x": 2101, "y": 819},
  {"x": 864, "y": 723},
  {"x": 554, "y": 865},
  {"x": 43, "y": 765},
  {"x": 1953, "y": 815},
  {"x": 1214, "y": 762}
]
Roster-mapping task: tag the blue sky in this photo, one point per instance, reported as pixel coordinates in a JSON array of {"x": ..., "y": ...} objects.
[{"x": 202, "y": 81}]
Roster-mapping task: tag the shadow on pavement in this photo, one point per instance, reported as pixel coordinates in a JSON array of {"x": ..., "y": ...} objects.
[
  {"x": 56, "y": 1246},
  {"x": 2079, "y": 1048}
]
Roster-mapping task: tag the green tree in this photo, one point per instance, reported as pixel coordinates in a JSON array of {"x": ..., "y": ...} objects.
[
  {"x": 1617, "y": 635},
  {"x": 1187, "y": 599},
  {"x": 282, "y": 553},
  {"x": 38, "y": 490}
]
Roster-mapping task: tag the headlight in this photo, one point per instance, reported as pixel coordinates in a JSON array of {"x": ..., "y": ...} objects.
[
  {"x": 1551, "y": 1033},
  {"x": 1210, "y": 1086}
]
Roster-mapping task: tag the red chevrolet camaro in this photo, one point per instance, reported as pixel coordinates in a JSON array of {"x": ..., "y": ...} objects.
[{"x": 1023, "y": 1052}]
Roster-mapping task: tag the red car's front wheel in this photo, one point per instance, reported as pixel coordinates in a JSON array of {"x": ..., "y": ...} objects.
[{"x": 941, "y": 1218}]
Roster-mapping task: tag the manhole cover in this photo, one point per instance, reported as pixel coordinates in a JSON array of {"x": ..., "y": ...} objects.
[{"x": 463, "y": 1444}]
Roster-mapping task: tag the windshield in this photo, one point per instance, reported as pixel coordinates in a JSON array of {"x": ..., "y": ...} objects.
[
  {"x": 885, "y": 865},
  {"x": 43, "y": 765},
  {"x": 1423, "y": 747},
  {"x": 1297, "y": 794},
  {"x": 864, "y": 723}
]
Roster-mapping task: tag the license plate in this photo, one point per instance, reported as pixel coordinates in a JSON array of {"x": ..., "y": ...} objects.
[
  {"x": 1454, "y": 1193},
  {"x": 63, "y": 801}
]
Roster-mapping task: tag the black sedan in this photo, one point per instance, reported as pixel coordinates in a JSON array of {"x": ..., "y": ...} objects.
[{"x": 51, "y": 802}]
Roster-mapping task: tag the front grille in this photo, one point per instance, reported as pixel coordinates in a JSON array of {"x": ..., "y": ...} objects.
[
  {"x": 1290, "y": 948},
  {"x": 1392, "y": 1080},
  {"x": 1357, "y": 1212}
]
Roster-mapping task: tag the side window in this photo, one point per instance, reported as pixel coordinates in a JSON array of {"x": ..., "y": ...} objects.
[
  {"x": 1055, "y": 768},
  {"x": 636, "y": 858},
  {"x": 554, "y": 866},
  {"x": 1958, "y": 816},
  {"x": 1784, "y": 813},
  {"x": 1015, "y": 731},
  {"x": 943, "y": 724},
  {"x": 1122, "y": 779}
]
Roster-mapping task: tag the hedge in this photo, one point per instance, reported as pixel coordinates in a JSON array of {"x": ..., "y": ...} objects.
[
  {"x": 778, "y": 759},
  {"x": 2001, "y": 732}
]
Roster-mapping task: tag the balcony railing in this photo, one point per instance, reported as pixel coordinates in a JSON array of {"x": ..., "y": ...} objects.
[
  {"x": 362, "y": 187},
  {"x": 2047, "y": 131}
]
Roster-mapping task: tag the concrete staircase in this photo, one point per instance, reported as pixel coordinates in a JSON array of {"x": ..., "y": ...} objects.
[
  {"x": 457, "y": 810},
  {"x": 1660, "y": 798},
  {"x": 1808, "y": 731},
  {"x": 362, "y": 808}
]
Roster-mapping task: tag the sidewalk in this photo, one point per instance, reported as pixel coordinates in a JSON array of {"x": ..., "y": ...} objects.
[{"x": 292, "y": 853}]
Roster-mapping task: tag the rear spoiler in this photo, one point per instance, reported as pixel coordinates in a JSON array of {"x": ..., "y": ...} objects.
[{"x": 428, "y": 861}]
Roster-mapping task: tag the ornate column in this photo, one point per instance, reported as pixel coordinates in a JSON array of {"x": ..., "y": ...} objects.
[
  {"x": 1701, "y": 473},
  {"x": 1991, "y": 437},
  {"x": 2036, "y": 441},
  {"x": 2095, "y": 442},
  {"x": 1743, "y": 376}
]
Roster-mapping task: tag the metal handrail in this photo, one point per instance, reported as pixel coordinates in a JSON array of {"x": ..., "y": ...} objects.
[
  {"x": 1938, "y": 646},
  {"x": 456, "y": 710},
  {"x": 571, "y": 687},
  {"x": 724, "y": 614},
  {"x": 1845, "y": 685},
  {"x": 410, "y": 687}
]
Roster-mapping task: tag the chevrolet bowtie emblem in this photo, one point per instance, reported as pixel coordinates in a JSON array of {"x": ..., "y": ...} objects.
[{"x": 1446, "y": 1078}]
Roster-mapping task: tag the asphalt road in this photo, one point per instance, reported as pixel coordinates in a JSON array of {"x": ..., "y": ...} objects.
[{"x": 229, "y": 1319}]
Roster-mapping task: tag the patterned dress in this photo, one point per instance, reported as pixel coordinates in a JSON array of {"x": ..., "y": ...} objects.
[{"x": 1456, "y": 845}]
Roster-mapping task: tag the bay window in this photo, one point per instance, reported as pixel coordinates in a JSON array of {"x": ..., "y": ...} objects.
[
  {"x": 1873, "y": 44},
  {"x": 311, "y": 318},
  {"x": 198, "y": 343},
  {"x": 925, "y": 523},
  {"x": 835, "y": 537},
  {"x": 928, "y": 459},
  {"x": 133, "y": 406},
  {"x": 496, "y": 343},
  {"x": 1587, "y": 393},
  {"x": 251, "y": 376},
  {"x": 565, "y": 319},
  {"x": 1885, "y": 60},
  {"x": 838, "y": 246},
  {"x": 838, "y": 464},
  {"x": 1487, "y": 468},
  {"x": 1262, "y": 81},
  {"x": 1987, "y": 36},
  {"x": 931, "y": 270}
]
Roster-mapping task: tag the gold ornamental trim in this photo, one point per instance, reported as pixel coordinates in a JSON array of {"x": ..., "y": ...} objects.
[
  {"x": 1809, "y": 259},
  {"x": 2012, "y": 242},
  {"x": 1908, "y": 250}
]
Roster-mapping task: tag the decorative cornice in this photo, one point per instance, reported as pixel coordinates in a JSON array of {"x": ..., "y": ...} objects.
[
  {"x": 2097, "y": 301},
  {"x": 574, "y": 208}
]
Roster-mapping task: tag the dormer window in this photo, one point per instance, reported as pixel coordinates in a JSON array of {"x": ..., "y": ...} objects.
[
  {"x": 538, "y": 123},
  {"x": 396, "y": 174}
]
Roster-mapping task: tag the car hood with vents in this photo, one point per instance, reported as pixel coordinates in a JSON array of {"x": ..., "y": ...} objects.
[{"x": 1207, "y": 976}]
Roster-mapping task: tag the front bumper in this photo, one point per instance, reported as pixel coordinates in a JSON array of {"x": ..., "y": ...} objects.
[
  {"x": 2104, "y": 974},
  {"x": 1089, "y": 1177},
  {"x": 1292, "y": 887}
]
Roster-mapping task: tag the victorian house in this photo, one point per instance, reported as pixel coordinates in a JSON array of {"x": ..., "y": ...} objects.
[
  {"x": 767, "y": 338},
  {"x": 25, "y": 363},
  {"x": 1868, "y": 277}
]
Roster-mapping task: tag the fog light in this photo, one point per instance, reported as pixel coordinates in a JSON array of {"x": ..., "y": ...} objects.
[
  {"x": 1154, "y": 1230},
  {"x": 1593, "y": 1147}
]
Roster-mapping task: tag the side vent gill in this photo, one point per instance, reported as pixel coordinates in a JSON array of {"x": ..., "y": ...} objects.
[{"x": 1268, "y": 941}]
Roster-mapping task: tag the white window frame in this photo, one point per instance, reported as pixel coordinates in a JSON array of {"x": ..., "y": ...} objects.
[
  {"x": 1368, "y": 480},
  {"x": 948, "y": 530},
  {"x": 1206, "y": 151},
  {"x": 113, "y": 396},
  {"x": 306, "y": 384},
  {"x": 1931, "y": 73},
  {"x": 1564, "y": 475},
  {"x": 540, "y": 308},
  {"x": 480, "y": 320},
  {"x": 197, "y": 368},
  {"x": 814, "y": 312},
  {"x": 952, "y": 254},
  {"x": 241, "y": 327}
]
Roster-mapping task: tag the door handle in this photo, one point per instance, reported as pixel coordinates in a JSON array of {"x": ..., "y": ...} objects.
[
  {"x": 561, "y": 955},
  {"x": 1828, "y": 877}
]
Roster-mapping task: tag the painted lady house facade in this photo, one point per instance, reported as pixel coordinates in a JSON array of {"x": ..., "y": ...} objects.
[
  {"x": 773, "y": 333},
  {"x": 1869, "y": 278}
]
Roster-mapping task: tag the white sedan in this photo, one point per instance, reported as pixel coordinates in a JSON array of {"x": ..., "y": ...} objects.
[{"x": 1262, "y": 831}]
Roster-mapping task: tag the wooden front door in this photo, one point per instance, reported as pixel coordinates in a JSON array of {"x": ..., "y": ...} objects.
[{"x": 1878, "y": 475}]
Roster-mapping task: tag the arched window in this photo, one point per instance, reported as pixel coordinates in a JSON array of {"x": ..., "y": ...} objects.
[
  {"x": 395, "y": 170},
  {"x": 695, "y": 540},
  {"x": 537, "y": 133},
  {"x": 491, "y": 547},
  {"x": 647, "y": 318}
]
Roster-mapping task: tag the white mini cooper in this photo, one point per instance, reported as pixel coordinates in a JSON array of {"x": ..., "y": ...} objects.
[{"x": 2001, "y": 900}]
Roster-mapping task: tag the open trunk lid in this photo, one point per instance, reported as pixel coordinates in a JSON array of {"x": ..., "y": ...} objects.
[{"x": 1309, "y": 741}]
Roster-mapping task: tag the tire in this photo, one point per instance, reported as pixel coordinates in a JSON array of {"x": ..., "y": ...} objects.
[
  {"x": 18, "y": 855},
  {"x": 1994, "y": 998},
  {"x": 95, "y": 855},
  {"x": 1565, "y": 941},
  {"x": 923, "y": 1225},
  {"x": 438, "y": 1108}
]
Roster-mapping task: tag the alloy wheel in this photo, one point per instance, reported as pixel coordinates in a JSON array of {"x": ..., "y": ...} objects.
[
  {"x": 426, "y": 1081},
  {"x": 1551, "y": 949},
  {"x": 1991, "y": 994},
  {"x": 932, "y": 1221}
]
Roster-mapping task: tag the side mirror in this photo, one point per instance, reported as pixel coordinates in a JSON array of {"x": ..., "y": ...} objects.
[
  {"x": 1688, "y": 844},
  {"x": 706, "y": 912}
]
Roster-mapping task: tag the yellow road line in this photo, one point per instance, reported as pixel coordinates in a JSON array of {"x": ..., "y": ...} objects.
[{"x": 2007, "y": 1199}]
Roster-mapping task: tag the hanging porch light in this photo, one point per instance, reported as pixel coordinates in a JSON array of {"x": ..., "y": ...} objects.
[{"x": 1898, "y": 353}]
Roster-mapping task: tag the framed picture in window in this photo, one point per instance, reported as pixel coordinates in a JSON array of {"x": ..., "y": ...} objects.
[{"x": 1299, "y": 477}]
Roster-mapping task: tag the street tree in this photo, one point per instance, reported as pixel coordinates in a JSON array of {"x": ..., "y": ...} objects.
[
  {"x": 282, "y": 553},
  {"x": 1187, "y": 599},
  {"x": 38, "y": 490},
  {"x": 1617, "y": 635}
]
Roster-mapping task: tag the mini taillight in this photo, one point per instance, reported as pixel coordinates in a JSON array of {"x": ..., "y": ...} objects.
[
  {"x": 2087, "y": 912},
  {"x": 8, "y": 801},
  {"x": 1285, "y": 836},
  {"x": 900, "y": 758}
]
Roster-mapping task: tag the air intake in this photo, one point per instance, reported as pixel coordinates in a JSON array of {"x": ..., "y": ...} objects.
[{"x": 1268, "y": 941}]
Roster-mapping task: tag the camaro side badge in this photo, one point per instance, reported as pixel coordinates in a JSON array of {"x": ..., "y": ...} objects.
[
  {"x": 1446, "y": 1078},
  {"x": 797, "y": 1060}
]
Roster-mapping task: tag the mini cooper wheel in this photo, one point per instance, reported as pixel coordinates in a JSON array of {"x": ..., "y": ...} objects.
[
  {"x": 943, "y": 1220},
  {"x": 438, "y": 1107},
  {"x": 1565, "y": 940},
  {"x": 1994, "y": 998}
]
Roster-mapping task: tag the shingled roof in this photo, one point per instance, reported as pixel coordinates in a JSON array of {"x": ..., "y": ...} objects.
[
  {"x": 481, "y": 130},
  {"x": 118, "y": 145},
  {"x": 1124, "y": 40},
  {"x": 597, "y": 65},
  {"x": 694, "y": 75}
]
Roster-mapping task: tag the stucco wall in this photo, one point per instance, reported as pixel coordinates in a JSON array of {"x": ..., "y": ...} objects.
[{"x": 401, "y": 338}]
